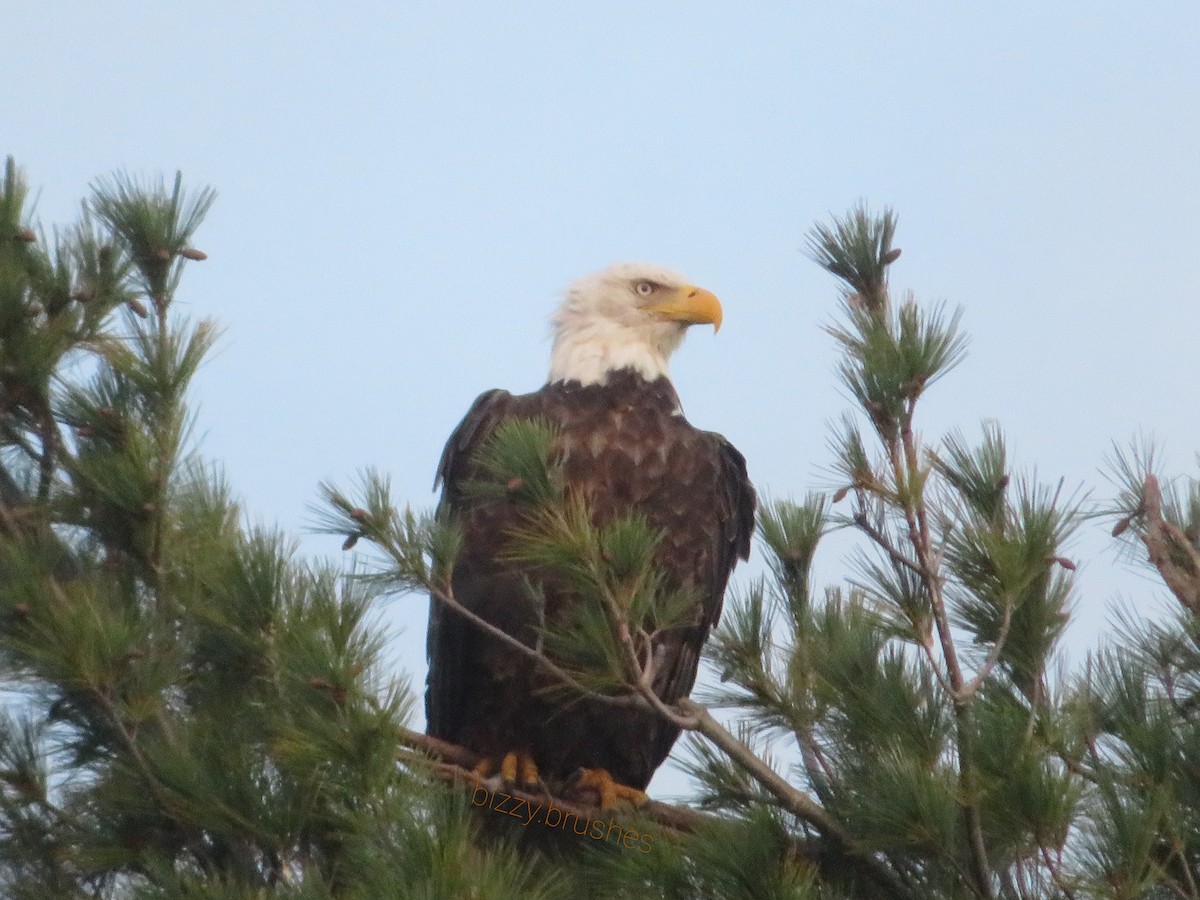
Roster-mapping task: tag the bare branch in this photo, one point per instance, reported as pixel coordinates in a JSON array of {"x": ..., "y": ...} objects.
[
  {"x": 1169, "y": 549},
  {"x": 884, "y": 543},
  {"x": 451, "y": 763}
]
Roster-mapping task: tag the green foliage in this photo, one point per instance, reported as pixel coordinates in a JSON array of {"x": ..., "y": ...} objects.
[
  {"x": 857, "y": 249},
  {"x": 891, "y": 357},
  {"x": 1009, "y": 586},
  {"x": 790, "y": 533},
  {"x": 191, "y": 710},
  {"x": 916, "y": 702},
  {"x": 417, "y": 550},
  {"x": 751, "y": 858},
  {"x": 155, "y": 226},
  {"x": 518, "y": 463}
]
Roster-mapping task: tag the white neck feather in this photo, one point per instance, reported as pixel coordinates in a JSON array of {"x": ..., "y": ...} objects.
[{"x": 588, "y": 351}]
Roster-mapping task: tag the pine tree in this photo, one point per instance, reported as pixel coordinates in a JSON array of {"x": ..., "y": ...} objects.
[
  {"x": 192, "y": 710},
  {"x": 189, "y": 709},
  {"x": 916, "y": 697}
]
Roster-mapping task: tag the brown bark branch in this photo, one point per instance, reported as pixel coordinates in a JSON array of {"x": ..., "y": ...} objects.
[
  {"x": 1169, "y": 549},
  {"x": 885, "y": 544},
  {"x": 51, "y": 443},
  {"x": 1055, "y": 869},
  {"x": 900, "y": 560},
  {"x": 453, "y": 764}
]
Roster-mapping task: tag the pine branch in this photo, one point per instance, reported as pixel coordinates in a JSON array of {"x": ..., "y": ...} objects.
[
  {"x": 902, "y": 452},
  {"x": 858, "y": 250},
  {"x": 378, "y": 523},
  {"x": 445, "y": 596},
  {"x": 884, "y": 543},
  {"x": 454, "y": 764},
  {"x": 685, "y": 714}
]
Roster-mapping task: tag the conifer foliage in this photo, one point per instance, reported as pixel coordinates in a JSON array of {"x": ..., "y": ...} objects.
[
  {"x": 916, "y": 698},
  {"x": 189, "y": 710}
]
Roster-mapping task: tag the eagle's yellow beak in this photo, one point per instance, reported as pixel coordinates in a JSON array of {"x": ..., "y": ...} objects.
[{"x": 691, "y": 304}]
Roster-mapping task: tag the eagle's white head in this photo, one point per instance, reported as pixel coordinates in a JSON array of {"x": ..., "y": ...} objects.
[{"x": 631, "y": 315}]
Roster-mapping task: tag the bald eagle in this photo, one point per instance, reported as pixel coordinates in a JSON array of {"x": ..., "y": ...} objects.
[{"x": 622, "y": 438}]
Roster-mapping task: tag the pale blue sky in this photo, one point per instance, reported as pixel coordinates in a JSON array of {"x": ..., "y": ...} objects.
[{"x": 405, "y": 188}]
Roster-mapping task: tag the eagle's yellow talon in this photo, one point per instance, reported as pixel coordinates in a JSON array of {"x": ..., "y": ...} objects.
[
  {"x": 529, "y": 773},
  {"x": 516, "y": 769},
  {"x": 609, "y": 791},
  {"x": 508, "y": 768}
]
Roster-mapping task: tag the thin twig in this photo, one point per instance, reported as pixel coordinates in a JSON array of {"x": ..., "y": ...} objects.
[
  {"x": 166, "y": 450},
  {"x": 899, "y": 560},
  {"x": 972, "y": 687},
  {"x": 130, "y": 744},
  {"x": 820, "y": 775},
  {"x": 640, "y": 676},
  {"x": 884, "y": 543},
  {"x": 445, "y": 596},
  {"x": 1075, "y": 767},
  {"x": 1053, "y": 868},
  {"x": 51, "y": 441}
]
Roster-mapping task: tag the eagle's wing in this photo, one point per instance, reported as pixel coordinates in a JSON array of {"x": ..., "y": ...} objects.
[
  {"x": 717, "y": 503},
  {"x": 731, "y": 534},
  {"x": 736, "y": 514},
  {"x": 479, "y": 422},
  {"x": 446, "y": 640}
]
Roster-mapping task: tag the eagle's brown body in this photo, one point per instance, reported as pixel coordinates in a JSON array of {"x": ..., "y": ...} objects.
[{"x": 627, "y": 445}]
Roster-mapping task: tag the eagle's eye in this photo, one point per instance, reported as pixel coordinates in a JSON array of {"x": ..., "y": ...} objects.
[{"x": 645, "y": 288}]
